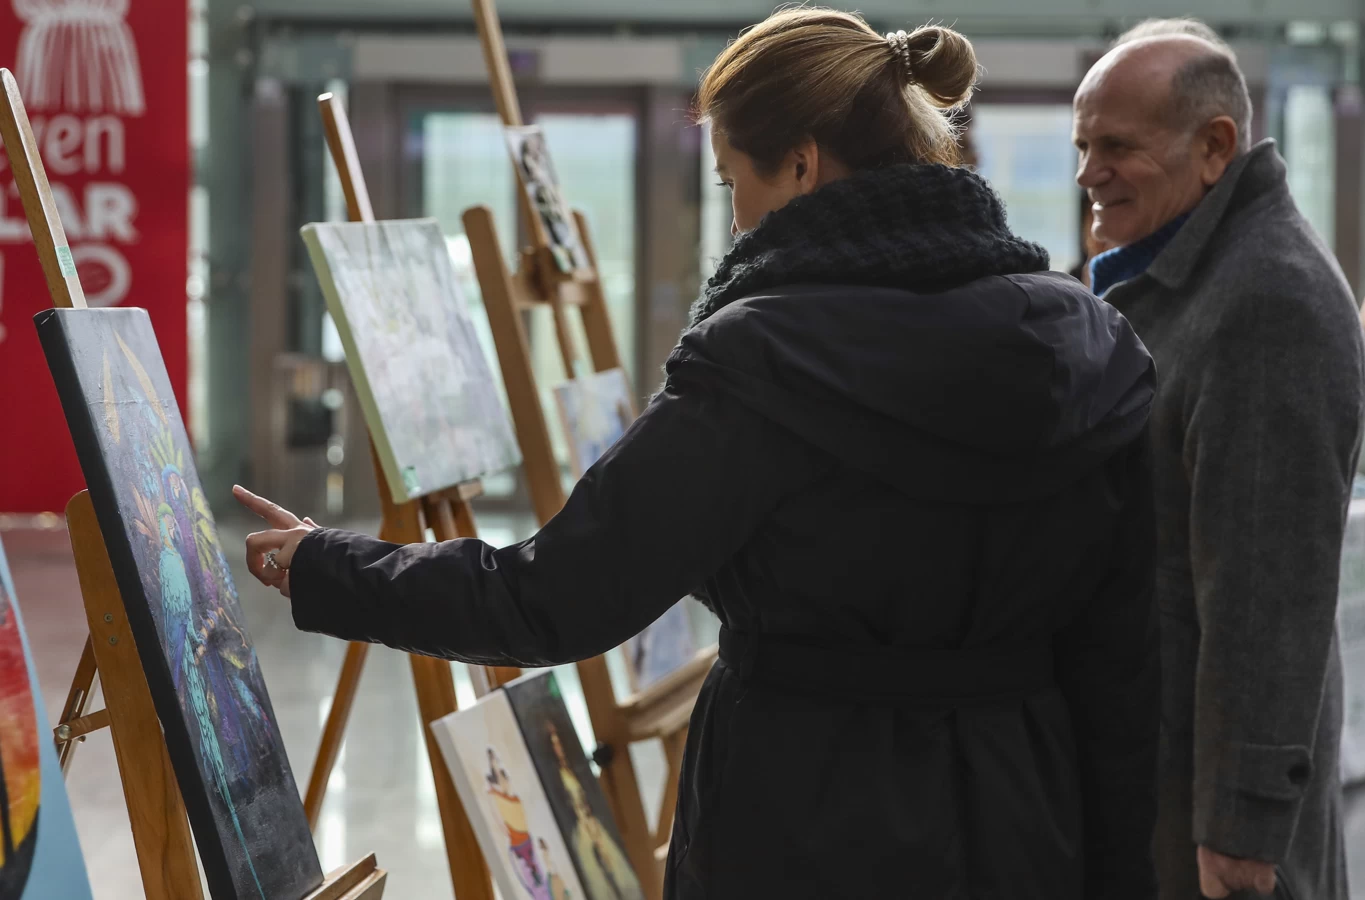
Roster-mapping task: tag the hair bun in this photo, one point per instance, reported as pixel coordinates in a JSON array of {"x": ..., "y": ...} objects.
[{"x": 942, "y": 62}]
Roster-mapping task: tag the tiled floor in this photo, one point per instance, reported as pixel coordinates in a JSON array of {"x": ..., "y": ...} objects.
[{"x": 380, "y": 798}]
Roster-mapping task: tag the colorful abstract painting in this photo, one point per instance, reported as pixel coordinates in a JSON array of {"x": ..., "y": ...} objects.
[
  {"x": 531, "y": 156},
  {"x": 419, "y": 372},
  {"x": 221, "y": 733},
  {"x": 573, "y": 791},
  {"x": 40, "y": 855},
  {"x": 501, "y": 791}
]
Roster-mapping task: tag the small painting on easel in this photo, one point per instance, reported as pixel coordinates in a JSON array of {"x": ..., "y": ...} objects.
[
  {"x": 426, "y": 388},
  {"x": 517, "y": 832},
  {"x": 221, "y": 732},
  {"x": 531, "y": 156},
  {"x": 40, "y": 855},
  {"x": 665, "y": 646},
  {"x": 573, "y": 791},
  {"x": 596, "y": 410}
]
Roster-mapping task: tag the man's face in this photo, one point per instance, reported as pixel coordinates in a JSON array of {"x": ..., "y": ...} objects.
[{"x": 1139, "y": 171}]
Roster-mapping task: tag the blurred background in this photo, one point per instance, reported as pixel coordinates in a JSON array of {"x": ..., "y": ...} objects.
[{"x": 611, "y": 82}]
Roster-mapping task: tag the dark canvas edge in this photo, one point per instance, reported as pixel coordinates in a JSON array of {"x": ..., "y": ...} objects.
[{"x": 52, "y": 334}]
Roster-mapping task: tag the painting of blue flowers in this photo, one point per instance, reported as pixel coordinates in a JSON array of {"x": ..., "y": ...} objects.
[{"x": 221, "y": 732}]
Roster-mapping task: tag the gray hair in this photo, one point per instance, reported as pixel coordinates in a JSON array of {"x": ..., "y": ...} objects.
[{"x": 1206, "y": 87}]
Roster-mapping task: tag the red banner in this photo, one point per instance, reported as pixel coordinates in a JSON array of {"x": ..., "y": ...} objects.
[{"x": 106, "y": 87}]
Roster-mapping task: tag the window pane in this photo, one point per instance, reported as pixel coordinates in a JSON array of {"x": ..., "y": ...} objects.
[
  {"x": 1027, "y": 156},
  {"x": 1309, "y": 138}
]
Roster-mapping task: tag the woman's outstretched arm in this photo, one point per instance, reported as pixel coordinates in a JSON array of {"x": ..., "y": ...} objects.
[{"x": 676, "y": 497}]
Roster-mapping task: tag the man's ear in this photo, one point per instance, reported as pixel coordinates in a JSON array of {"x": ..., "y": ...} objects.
[{"x": 1217, "y": 142}]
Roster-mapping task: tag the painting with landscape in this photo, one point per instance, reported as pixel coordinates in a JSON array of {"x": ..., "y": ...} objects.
[
  {"x": 501, "y": 790},
  {"x": 41, "y": 853},
  {"x": 428, "y": 393},
  {"x": 573, "y": 791},
  {"x": 220, "y": 730}
]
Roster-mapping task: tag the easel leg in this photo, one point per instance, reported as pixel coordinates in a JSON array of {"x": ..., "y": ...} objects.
[
  {"x": 77, "y": 699},
  {"x": 674, "y": 745},
  {"x": 435, "y": 699},
  {"x": 156, "y": 811},
  {"x": 334, "y": 731}
]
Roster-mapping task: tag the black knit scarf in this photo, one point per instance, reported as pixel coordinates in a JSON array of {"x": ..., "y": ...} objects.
[{"x": 923, "y": 228}]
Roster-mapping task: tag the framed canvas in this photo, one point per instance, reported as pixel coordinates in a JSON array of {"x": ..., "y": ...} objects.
[
  {"x": 574, "y": 794},
  {"x": 502, "y": 793},
  {"x": 205, "y": 681},
  {"x": 531, "y": 156},
  {"x": 40, "y": 855},
  {"x": 429, "y": 397}
]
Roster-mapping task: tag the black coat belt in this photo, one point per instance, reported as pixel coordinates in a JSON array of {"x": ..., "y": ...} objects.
[{"x": 897, "y": 676}]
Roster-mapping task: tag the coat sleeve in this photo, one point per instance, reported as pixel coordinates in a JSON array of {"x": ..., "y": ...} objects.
[
  {"x": 1273, "y": 422},
  {"x": 1109, "y": 669},
  {"x": 676, "y": 497}
]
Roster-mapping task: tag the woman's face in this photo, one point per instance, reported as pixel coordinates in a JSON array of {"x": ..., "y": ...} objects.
[{"x": 754, "y": 195}]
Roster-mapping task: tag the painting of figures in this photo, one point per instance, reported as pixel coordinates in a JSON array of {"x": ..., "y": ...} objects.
[
  {"x": 206, "y": 683},
  {"x": 41, "y": 853},
  {"x": 531, "y": 156},
  {"x": 502, "y": 793},
  {"x": 428, "y": 393},
  {"x": 573, "y": 791}
]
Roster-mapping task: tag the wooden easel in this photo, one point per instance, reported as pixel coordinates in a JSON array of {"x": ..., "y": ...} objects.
[
  {"x": 448, "y": 515},
  {"x": 662, "y": 710},
  {"x": 156, "y": 809}
]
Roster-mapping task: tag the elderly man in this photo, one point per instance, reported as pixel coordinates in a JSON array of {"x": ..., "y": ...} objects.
[{"x": 1256, "y": 429}]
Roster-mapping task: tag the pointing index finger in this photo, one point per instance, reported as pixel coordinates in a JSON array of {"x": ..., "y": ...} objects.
[{"x": 275, "y": 515}]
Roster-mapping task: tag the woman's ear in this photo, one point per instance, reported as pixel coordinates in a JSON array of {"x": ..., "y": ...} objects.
[{"x": 806, "y": 169}]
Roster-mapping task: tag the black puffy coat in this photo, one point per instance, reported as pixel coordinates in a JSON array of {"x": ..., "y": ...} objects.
[{"x": 924, "y": 520}]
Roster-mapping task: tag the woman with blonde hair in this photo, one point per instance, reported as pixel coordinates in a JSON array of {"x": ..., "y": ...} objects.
[{"x": 902, "y": 462}]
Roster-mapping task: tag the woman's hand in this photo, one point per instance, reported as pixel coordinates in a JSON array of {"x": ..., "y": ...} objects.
[{"x": 270, "y": 553}]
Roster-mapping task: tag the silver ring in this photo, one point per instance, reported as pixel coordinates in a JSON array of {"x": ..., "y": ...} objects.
[{"x": 271, "y": 563}]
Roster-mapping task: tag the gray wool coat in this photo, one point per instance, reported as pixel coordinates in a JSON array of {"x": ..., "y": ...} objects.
[{"x": 1256, "y": 429}]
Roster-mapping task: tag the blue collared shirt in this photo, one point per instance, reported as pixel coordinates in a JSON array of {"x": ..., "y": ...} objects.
[{"x": 1122, "y": 263}]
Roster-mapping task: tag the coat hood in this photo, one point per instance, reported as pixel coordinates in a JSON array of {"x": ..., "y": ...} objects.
[{"x": 1006, "y": 388}]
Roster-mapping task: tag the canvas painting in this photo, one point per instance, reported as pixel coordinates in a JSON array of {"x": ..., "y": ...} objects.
[
  {"x": 665, "y": 646},
  {"x": 574, "y": 793},
  {"x": 429, "y": 397},
  {"x": 531, "y": 156},
  {"x": 205, "y": 680},
  {"x": 595, "y": 411},
  {"x": 41, "y": 853},
  {"x": 502, "y": 793}
]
